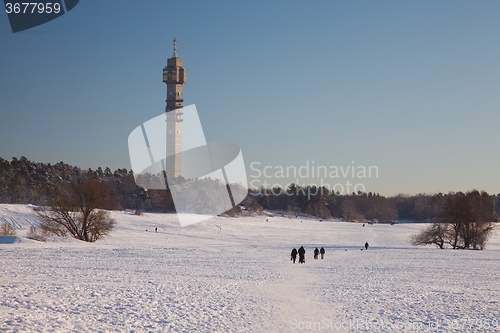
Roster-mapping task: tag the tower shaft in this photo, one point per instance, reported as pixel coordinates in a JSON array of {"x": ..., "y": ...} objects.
[{"x": 174, "y": 76}]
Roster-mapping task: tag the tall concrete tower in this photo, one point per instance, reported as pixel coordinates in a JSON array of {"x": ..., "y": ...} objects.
[{"x": 174, "y": 75}]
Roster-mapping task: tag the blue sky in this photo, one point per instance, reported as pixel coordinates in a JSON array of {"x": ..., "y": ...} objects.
[{"x": 409, "y": 87}]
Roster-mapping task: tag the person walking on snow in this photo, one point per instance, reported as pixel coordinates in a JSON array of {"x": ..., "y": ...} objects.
[
  {"x": 366, "y": 245},
  {"x": 316, "y": 253},
  {"x": 294, "y": 255},
  {"x": 302, "y": 255},
  {"x": 322, "y": 251}
]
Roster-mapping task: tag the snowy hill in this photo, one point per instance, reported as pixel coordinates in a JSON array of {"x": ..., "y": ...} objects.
[{"x": 235, "y": 275}]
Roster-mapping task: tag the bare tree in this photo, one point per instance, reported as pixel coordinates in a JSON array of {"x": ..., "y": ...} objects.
[
  {"x": 465, "y": 221},
  {"x": 471, "y": 218},
  {"x": 78, "y": 210},
  {"x": 434, "y": 234}
]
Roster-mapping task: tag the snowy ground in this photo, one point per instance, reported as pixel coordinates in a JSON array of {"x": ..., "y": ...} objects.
[{"x": 235, "y": 275}]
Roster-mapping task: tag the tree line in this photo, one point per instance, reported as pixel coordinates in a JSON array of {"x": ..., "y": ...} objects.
[
  {"x": 27, "y": 182},
  {"x": 361, "y": 207},
  {"x": 77, "y": 201}
]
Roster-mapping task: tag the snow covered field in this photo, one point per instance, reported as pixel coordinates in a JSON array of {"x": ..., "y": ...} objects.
[{"x": 235, "y": 275}]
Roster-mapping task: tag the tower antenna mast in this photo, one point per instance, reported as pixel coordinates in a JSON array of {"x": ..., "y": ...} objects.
[{"x": 175, "y": 48}]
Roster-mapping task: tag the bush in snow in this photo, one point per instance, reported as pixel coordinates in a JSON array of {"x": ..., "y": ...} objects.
[{"x": 6, "y": 229}]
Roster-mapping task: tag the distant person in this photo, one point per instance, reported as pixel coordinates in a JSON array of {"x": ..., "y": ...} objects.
[
  {"x": 366, "y": 245},
  {"x": 316, "y": 253},
  {"x": 322, "y": 251},
  {"x": 302, "y": 255},
  {"x": 156, "y": 230},
  {"x": 294, "y": 255}
]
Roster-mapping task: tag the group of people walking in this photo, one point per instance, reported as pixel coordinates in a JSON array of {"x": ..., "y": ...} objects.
[{"x": 302, "y": 254}]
